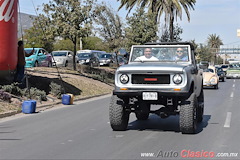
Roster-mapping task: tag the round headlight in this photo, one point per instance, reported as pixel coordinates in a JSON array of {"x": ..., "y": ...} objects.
[
  {"x": 124, "y": 78},
  {"x": 177, "y": 79}
]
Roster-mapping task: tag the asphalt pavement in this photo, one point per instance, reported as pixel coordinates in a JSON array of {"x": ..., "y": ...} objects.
[{"x": 82, "y": 131}]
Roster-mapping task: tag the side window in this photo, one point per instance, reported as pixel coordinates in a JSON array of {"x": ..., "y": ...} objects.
[{"x": 92, "y": 55}]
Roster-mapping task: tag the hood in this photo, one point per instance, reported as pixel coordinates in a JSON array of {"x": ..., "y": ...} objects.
[
  {"x": 208, "y": 75},
  {"x": 152, "y": 67},
  {"x": 59, "y": 57}
]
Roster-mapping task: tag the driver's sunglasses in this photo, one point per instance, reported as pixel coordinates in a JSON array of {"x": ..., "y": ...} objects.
[{"x": 179, "y": 51}]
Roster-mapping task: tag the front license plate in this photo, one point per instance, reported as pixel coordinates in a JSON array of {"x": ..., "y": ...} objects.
[{"x": 150, "y": 96}]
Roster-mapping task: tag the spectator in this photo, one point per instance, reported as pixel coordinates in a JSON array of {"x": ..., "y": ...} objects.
[{"x": 21, "y": 62}]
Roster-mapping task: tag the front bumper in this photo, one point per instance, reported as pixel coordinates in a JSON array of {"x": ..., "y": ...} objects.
[
  {"x": 139, "y": 93},
  {"x": 233, "y": 76},
  {"x": 29, "y": 64},
  {"x": 209, "y": 83}
]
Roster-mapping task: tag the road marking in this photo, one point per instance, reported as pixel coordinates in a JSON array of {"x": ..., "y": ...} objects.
[
  {"x": 228, "y": 120},
  {"x": 234, "y": 80},
  {"x": 232, "y": 95},
  {"x": 233, "y": 85}
]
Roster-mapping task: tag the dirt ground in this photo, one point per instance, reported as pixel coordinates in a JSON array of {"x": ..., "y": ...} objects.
[{"x": 72, "y": 82}]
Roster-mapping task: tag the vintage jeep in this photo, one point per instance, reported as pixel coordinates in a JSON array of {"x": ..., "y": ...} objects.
[{"x": 175, "y": 85}]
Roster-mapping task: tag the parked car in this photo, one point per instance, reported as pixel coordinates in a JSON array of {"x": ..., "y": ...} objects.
[
  {"x": 119, "y": 60},
  {"x": 62, "y": 58},
  {"x": 40, "y": 58},
  {"x": 175, "y": 85},
  {"x": 233, "y": 71},
  {"x": 83, "y": 58},
  {"x": 210, "y": 77},
  {"x": 225, "y": 67},
  {"x": 106, "y": 59},
  {"x": 221, "y": 74},
  {"x": 94, "y": 57}
]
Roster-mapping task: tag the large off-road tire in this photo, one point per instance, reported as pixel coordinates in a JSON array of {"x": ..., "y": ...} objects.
[
  {"x": 200, "y": 109},
  {"x": 188, "y": 115},
  {"x": 118, "y": 115},
  {"x": 143, "y": 111}
]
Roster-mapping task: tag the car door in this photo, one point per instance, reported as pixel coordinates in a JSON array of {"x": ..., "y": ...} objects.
[{"x": 41, "y": 57}]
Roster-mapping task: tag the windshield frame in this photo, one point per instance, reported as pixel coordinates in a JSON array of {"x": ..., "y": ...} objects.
[{"x": 187, "y": 49}]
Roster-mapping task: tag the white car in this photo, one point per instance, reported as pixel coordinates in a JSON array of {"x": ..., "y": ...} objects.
[{"x": 62, "y": 58}]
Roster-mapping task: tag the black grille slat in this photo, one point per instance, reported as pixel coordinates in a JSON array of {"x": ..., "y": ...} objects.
[{"x": 152, "y": 79}]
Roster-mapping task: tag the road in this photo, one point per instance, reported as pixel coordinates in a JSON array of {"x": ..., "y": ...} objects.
[{"x": 82, "y": 131}]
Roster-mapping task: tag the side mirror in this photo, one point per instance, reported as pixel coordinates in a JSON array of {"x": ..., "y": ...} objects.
[{"x": 194, "y": 70}]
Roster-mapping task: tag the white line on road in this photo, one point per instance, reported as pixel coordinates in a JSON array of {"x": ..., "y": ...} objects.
[
  {"x": 232, "y": 95},
  {"x": 234, "y": 80},
  {"x": 233, "y": 85},
  {"x": 228, "y": 120}
]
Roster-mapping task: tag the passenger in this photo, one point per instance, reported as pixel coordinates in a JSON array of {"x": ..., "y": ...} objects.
[
  {"x": 180, "y": 55},
  {"x": 147, "y": 56}
]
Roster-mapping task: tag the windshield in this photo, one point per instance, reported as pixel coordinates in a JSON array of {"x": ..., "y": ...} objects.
[
  {"x": 30, "y": 50},
  {"x": 234, "y": 66},
  {"x": 208, "y": 70},
  {"x": 106, "y": 56},
  {"x": 59, "y": 53},
  {"x": 162, "y": 54},
  {"x": 84, "y": 55}
]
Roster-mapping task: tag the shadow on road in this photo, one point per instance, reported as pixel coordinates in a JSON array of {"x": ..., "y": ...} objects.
[{"x": 155, "y": 123}]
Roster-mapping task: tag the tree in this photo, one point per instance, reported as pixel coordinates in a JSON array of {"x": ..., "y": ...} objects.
[
  {"x": 171, "y": 9},
  {"x": 214, "y": 42},
  {"x": 95, "y": 43},
  {"x": 142, "y": 28},
  {"x": 177, "y": 31},
  {"x": 36, "y": 37},
  {"x": 110, "y": 26},
  {"x": 69, "y": 19},
  {"x": 65, "y": 44}
]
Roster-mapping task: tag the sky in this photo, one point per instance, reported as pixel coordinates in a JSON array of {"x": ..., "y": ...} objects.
[{"x": 220, "y": 17}]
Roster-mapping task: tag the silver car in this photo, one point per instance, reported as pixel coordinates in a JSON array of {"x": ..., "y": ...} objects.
[
  {"x": 155, "y": 78},
  {"x": 62, "y": 58}
]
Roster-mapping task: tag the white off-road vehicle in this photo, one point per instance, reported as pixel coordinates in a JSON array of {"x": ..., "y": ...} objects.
[{"x": 175, "y": 84}]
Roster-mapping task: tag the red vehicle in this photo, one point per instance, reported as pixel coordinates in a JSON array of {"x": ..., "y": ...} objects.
[{"x": 8, "y": 37}]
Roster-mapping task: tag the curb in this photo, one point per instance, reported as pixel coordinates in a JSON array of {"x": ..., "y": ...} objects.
[{"x": 47, "y": 106}]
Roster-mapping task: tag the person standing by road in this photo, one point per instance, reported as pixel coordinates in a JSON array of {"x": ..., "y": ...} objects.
[{"x": 21, "y": 62}]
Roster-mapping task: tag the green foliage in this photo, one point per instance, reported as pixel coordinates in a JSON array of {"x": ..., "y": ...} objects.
[
  {"x": 204, "y": 53},
  {"x": 56, "y": 90},
  {"x": 36, "y": 36},
  {"x": 94, "y": 43},
  {"x": 110, "y": 27},
  {"x": 142, "y": 28},
  {"x": 214, "y": 41},
  {"x": 177, "y": 31},
  {"x": 63, "y": 45},
  {"x": 35, "y": 94},
  {"x": 12, "y": 89}
]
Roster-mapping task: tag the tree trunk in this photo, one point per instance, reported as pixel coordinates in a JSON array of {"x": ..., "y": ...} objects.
[
  {"x": 171, "y": 28},
  {"x": 74, "y": 53}
]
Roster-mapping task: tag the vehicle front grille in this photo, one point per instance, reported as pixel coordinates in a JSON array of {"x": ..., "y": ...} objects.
[{"x": 150, "y": 79}]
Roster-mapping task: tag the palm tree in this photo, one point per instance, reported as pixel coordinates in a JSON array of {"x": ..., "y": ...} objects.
[
  {"x": 214, "y": 42},
  {"x": 171, "y": 9}
]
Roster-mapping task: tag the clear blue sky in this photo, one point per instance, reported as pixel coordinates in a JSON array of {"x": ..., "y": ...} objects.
[{"x": 220, "y": 17}]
